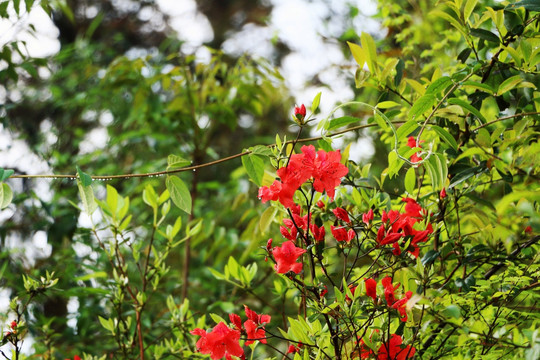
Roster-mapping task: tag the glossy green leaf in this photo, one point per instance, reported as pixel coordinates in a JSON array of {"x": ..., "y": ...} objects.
[
  {"x": 439, "y": 85},
  {"x": 6, "y": 195},
  {"x": 422, "y": 104},
  {"x": 410, "y": 180},
  {"x": 509, "y": 84},
  {"x": 405, "y": 129},
  {"x": 342, "y": 121},
  {"x": 315, "y": 103},
  {"x": 179, "y": 192},
  {"x": 254, "y": 166},
  {"x": 358, "y": 53},
  {"x": 87, "y": 197},
  {"x": 176, "y": 162},
  {"x": 468, "y": 107},
  {"x": 85, "y": 179},
  {"x": 445, "y": 136},
  {"x": 531, "y": 5},
  {"x": 485, "y": 35},
  {"x": 5, "y": 174}
]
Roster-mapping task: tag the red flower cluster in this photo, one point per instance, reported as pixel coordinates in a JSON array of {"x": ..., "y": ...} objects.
[
  {"x": 341, "y": 233},
  {"x": 322, "y": 168},
  {"x": 76, "y": 357},
  {"x": 221, "y": 341},
  {"x": 253, "y": 326},
  {"x": 391, "y": 350},
  {"x": 286, "y": 257},
  {"x": 396, "y": 225},
  {"x": 389, "y": 294},
  {"x": 411, "y": 142}
]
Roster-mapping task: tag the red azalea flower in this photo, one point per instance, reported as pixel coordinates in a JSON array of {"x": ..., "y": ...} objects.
[
  {"x": 320, "y": 204},
  {"x": 371, "y": 288},
  {"x": 255, "y": 326},
  {"x": 300, "y": 112},
  {"x": 221, "y": 341},
  {"x": 389, "y": 290},
  {"x": 528, "y": 229},
  {"x": 367, "y": 217},
  {"x": 284, "y": 230},
  {"x": 401, "y": 305},
  {"x": 384, "y": 237},
  {"x": 392, "y": 350},
  {"x": 342, "y": 214},
  {"x": 411, "y": 142},
  {"x": 13, "y": 325},
  {"x": 412, "y": 208},
  {"x": 317, "y": 232},
  {"x": 286, "y": 257},
  {"x": 365, "y": 352},
  {"x": 341, "y": 234},
  {"x": 327, "y": 169},
  {"x": 236, "y": 321},
  {"x": 76, "y": 357}
]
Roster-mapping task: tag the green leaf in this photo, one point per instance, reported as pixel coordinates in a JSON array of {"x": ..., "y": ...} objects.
[
  {"x": 5, "y": 195},
  {"x": 452, "y": 311},
  {"x": 371, "y": 52},
  {"x": 405, "y": 129},
  {"x": 315, "y": 103},
  {"x": 176, "y": 162},
  {"x": 266, "y": 218},
  {"x": 451, "y": 20},
  {"x": 410, "y": 180},
  {"x": 86, "y": 179},
  {"x": 439, "y": 85},
  {"x": 483, "y": 138},
  {"x": 422, "y": 104},
  {"x": 430, "y": 257},
  {"x": 94, "y": 275},
  {"x": 399, "y": 72},
  {"x": 509, "y": 84},
  {"x": 179, "y": 192},
  {"x": 261, "y": 150},
  {"x": 358, "y": 53},
  {"x": 468, "y": 9},
  {"x": 485, "y": 35},
  {"x": 87, "y": 197},
  {"x": 465, "y": 105},
  {"x": 381, "y": 122},
  {"x": 150, "y": 197},
  {"x": 5, "y": 174},
  {"x": 531, "y": 5},
  {"x": 342, "y": 121},
  {"x": 445, "y": 136},
  {"x": 387, "y": 104},
  {"x": 478, "y": 86},
  {"x": 254, "y": 166}
]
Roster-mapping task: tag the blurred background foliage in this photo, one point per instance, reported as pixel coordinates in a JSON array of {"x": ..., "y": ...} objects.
[{"x": 126, "y": 83}]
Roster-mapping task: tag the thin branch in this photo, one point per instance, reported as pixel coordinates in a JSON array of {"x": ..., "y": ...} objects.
[
  {"x": 189, "y": 168},
  {"x": 505, "y": 118}
]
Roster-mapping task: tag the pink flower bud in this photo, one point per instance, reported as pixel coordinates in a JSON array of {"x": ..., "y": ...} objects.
[
  {"x": 443, "y": 193},
  {"x": 300, "y": 112}
]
